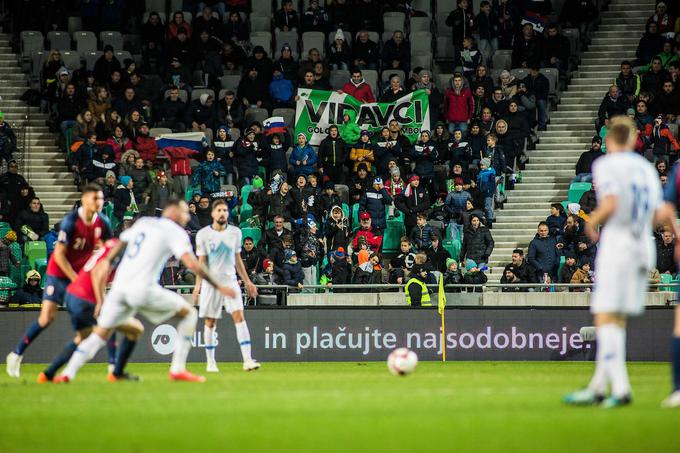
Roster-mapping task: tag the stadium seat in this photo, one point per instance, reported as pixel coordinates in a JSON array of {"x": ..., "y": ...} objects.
[
  {"x": 417, "y": 24},
  {"x": 229, "y": 187},
  {"x": 91, "y": 58},
  {"x": 58, "y": 40},
  {"x": 31, "y": 41},
  {"x": 371, "y": 77},
  {"x": 339, "y": 78},
  {"x": 71, "y": 59},
  {"x": 445, "y": 7},
  {"x": 35, "y": 250},
  {"x": 665, "y": 279},
  {"x": 245, "y": 191},
  {"x": 75, "y": 23},
  {"x": 453, "y": 247},
  {"x": 442, "y": 28},
  {"x": 392, "y": 237},
  {"x": 424, "y": 6},
  {"x": 123, "y": 55},
  {"x": 255, "y": 114},
  {"x": 393, "y": 21},
  {"x": 161, "y": 14},
  {"x": 374, "y": 36},
  {"x": 444, "y": 48},
  {"x": 262, "y": 38},
  {"x": 196, "y": 93},
  {"x": 343, "y": 193},
  {"x": 4, "y": 228},
  {"x": 154, "y": 5},
  {"x": 41, "y": 266},
  {"x": 286, "y": 37},
  {"x": 254, "y": 233},
  {"x": 553, "y": 76},
  {"x": 37, "y": 61},
  {"x": 421, "y": 43},
  {"x": 111, "y": 38},
  {"x": 230, "y": 82},
  {"x": 158, "y": 131},
  {"x": 574, "y": 39},
  {"x": 443, "y": 81},
  {"x": 577, "y": 189},
  {"x": 176, "y": 5},
  {"x": 345, "y": 209},
  {"x": 311, "y": 40},
  {"x": 85, "y": 41},
  {"x": 502, "y": 59},
  {"x": 288, "y": 115},
  {"x": 260, "y": 23},
  {"x": 519, "y": 73},
  {"x": 263, "y": 7},
  {"x": 424, "y": 61},
  {"x": 355, "y": 216}
]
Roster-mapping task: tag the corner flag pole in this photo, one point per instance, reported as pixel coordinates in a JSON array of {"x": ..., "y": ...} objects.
[{"x": 441, "y": 304}]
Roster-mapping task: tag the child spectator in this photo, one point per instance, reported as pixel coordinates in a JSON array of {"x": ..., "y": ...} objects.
[
  {"x": 374, "y": 201},
  {"x": 422, "y": 234},
  {"x": 207, "y": 176},
  {"x": 303, "y": 158},
  {"x": 556, "y": 219},
  {"x": 337, "y": 230},
  {"x": 486, "y": 181},
  {"x": 292, "y": 270},
  {"x": 473, "y": 276}
]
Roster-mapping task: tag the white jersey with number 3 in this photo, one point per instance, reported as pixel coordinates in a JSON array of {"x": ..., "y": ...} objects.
[
  {"x": 635, "y": 184},
  {"x": 151, "y": 241}
]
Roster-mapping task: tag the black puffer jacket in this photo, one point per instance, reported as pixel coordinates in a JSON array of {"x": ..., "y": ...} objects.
[{"x": 477, "y": 244}]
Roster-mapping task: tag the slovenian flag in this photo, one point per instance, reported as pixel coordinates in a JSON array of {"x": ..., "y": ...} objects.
[
  {"x": 274, "y": 125},
  {"x": 192, "y": 140}
]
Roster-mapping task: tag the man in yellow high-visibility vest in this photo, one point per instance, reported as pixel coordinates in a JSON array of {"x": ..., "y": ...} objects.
[{"x": 417, "y": 294}]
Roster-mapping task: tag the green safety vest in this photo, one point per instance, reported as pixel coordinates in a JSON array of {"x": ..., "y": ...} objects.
[{"x": 425, "y": 298}]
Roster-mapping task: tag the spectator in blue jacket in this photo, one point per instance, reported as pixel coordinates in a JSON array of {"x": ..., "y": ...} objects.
[
  {"x": 456, "y": 201},
  {"x": 281, "y": 89},
  {"x": 303, "y": 157},
  {"x": 544, "y": 255},
  {"x": 486, "y": 182},
  {"x": 374, "y": 201},
  {"x": 206, "y": 177},
  {"x": 291, "y": 271}
]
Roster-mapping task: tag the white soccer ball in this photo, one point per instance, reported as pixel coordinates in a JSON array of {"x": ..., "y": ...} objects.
[{"x": 402, "y": 361}]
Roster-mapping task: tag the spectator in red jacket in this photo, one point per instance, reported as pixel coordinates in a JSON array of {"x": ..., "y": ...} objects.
[
  {"x": 365, "y": 230},
  {"x": 145, "y": 144},
  {"x": 180, "y": 166},
  {"x": 358, "y": 88},
  {"x": 459, "y": 105}
]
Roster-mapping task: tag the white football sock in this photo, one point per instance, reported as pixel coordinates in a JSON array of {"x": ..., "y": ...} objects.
[
  {"x": 618, "y": 370},
  {"x": 86, "y": 350},
  {"x": 209, "y": 340},
  {"x": 243, "y": 336},
  {"x": 185, "y": 328},
  {"x": 598, "y": 383}
]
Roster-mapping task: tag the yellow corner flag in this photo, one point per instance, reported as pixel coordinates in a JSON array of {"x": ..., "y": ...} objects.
[{"x": 441, "y": 304}]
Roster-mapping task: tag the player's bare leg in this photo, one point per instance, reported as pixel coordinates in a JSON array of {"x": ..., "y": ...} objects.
[
  {"x": 243, "y": 336},
  {"x": 209, "y": 339},
  {"x": 48, "y": 313},
  {"x": 185, "y": 328},
  {"x": 673, "y": 400}
]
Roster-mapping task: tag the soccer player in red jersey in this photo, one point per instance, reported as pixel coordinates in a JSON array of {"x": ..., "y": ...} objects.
[
  {"x": 83, "y": 300},
  {"x": 81, "y": 231}
]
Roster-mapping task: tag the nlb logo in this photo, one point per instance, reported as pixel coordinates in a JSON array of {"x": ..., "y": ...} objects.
[{"x": 163, "y": 339}]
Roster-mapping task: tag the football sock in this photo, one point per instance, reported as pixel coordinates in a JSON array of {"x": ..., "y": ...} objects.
[
  {"x": 86, "y": 350},
  {"x": 675, "y": 362},
  {"x": 243, "y": 336},
  {"x": 31, "y": 334},
  {"x": 124, "y": 352},
  {"x": 615, "y": 359},
  {"x": 61, "y": 359},
  {"x": 111, "y": 349},
  {"x": 598, "y": 383},
  {"x": 209, "y": 339},
  {"x": 186, "y": 328}
]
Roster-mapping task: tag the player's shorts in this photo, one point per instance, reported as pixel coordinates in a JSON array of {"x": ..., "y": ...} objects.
[
  {"x": 81, "y": 311},
  {"x": 211, "y": 301},
  {"x": 154, "y": 303},
  {"x": 621, "y": 277},
  {"x": 55, "y": 289}
]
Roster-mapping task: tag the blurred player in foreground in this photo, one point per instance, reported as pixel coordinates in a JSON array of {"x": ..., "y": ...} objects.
[
  {"x": 629, "y": 203},
  {"x": 83, "y": 300},
  {"x": 219, "y": 247},
  {"x": 147, "y": 245},
  {"x": 81, "y": 231},
  {"x": 672, "y": 198}
]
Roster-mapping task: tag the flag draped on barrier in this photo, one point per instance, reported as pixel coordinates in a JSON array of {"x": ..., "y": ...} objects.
[{"x": 317, "y": 109}]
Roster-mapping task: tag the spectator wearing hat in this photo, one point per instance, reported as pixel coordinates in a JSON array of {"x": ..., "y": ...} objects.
[
  {"x": 311, "y": 251},
  {"x": 180, "y": 47},
  {"x": 157, "y": 195},
  {"x": 452, "y": 275},
  {"x": 337, "y": 229},
  {"x": 363, "y": 152},
  {"x": 303, "y": 157},
  {"x": 510, "y": 278},
  {"x": 584, "y": 166},
  {"x": 106, "y": 65},
  {"x": 664, "y": 144},
  {"x": 109, "y": 186},
  {"x": 339, "y": 53},
  {"x": 477, "y": 242},
  {"x": 6, "y": 256},
  {"x": 328, "y": 200},
  {"x": 262, "y": 63},
  {"x": 340, "y": 268},
  {"x": 456, "y": 201},
  {"x": 486, "y": 182},
  {"x": 270, "y": 276},
  {"x": 370, "y": 234},
  {"x": 416, "y": 292},
  {"x": 31, "y": 292},
  {"x": 359, "y": 183},
  {"x": 568, "y": 268},
  {"x": 473, "y": 275},
  {"x": 291, "y": 271},
  {"x": 253, "y": 89},
  {"x": 178, "y": 75},
  {"x": 582, "y": 276},
  {"x": 662, "y": 19},
  {"x": 358, "y": 88},
  {"x": 206, "y": 177},
  {"x": 124, "y": 199},
  {"x": 201, "y": 114},
  {"x": 145, "y": 144},
  {"x": 374, "y": 201},
  {"x": 332, "y": 155},
  {"x": 412, "y": 201},
  {"x": 246, "y": 157}
]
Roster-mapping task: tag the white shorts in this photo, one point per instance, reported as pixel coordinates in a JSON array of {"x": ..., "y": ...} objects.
[
  {"x": 154, "y": 303},
  {"x": 621, "y": 277},
  {"x": 211, "y": 301}
]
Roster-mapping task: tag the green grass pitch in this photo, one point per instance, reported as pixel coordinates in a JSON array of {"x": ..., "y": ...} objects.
[{"x": 343, "y": 407}]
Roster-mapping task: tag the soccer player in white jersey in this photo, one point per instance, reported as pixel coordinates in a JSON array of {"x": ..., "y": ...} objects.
[
  {"x": 629, "y": 203},
  {"x": 147, "y": 246},
  {"x": 219, "y": 247}
]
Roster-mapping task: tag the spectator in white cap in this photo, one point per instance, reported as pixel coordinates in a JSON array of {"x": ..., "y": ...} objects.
[
  {"x": 339, "y": 53},
  {"x": 311, "y": 252},
  {"x": 374, "y": 201}
]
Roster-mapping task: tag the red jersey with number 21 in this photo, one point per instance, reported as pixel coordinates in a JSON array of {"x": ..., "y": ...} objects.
[
  {"x": 82, "y": 286},
  {"x": 80, "y": 240}
]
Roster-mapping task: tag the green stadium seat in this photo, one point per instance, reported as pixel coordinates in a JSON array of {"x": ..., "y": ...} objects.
[
  {"x": 108, "y": 210},
  {"x": 4, "y": 228},
  {"x": 565, "y": 203},
  {"x": 355, "y": 216},
  {"x": 7, "y": 284},
  {"x": 577, "y": 189},
  {"x": 398, "y": 216},
  {"x": 453, "y": 247},
  {"x": 254, "y": 233},
  {"x": 188, "y": 194},
  {"x": 665, "y": 279},
  {"x": 559, "y": 268},
  {"x": 245, "y": 191},
  {"x": 345, "y": 209},
  {"x": 392, "y": 237},
  {"x": 15, "y": 250},
  {"x": 262, "y": 172},
  {"x": 246, "y": 212},
  {"x": 35, "y": 250}
]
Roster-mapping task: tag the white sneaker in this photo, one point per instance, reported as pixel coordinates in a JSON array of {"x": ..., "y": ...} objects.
[
  {"x": 14, "y": 364},
  {"x": 110, "y": 368},
  {"x": 212, "y": 368},
  {"x": 672, "y": 401},
  {"x": 251, "y": 365}
]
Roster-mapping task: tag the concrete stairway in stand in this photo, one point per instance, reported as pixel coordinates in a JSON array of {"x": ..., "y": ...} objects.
[
  {"x": 43, "y": 163},
  {"x": 551, "y": 166}
]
